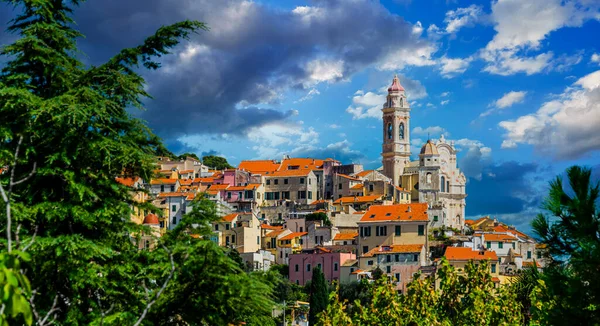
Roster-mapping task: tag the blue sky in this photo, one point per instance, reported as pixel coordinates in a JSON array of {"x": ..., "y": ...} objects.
[{"x": 514, "y": 83}]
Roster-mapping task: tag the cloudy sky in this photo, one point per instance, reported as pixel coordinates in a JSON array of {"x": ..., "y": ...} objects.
[{"x": 515, "y": 83}]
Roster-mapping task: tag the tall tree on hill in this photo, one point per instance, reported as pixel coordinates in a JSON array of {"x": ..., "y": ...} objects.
[
  {"x": 318, "y": 295},
  {"x": 572, "y": 239},
  {"x": 216, "y": 162}
]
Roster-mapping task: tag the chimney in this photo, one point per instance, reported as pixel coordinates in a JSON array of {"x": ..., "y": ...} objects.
[{"x": 408, "y": 209}]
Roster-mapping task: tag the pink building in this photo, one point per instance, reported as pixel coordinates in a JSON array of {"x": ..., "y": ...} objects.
[{"x": 301, "y": 265}]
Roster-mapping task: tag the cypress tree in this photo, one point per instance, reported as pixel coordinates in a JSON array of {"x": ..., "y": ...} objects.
[{"x": 318, "y": 295}]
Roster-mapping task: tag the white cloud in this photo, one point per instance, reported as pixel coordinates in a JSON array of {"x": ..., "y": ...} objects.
[
  {"x": 277, "y": 134},
  {"x": 324, "y": 71},
  {"x": 595, "y": 58},
  {"x": 510, "y": 98},
  {"x": 444, "y": 102},
  {"x": 419, "y": 57},
  {"x": 417, "y": 29},
  {"x": 429, "y": 105},
  {"x": 565, "y": 127},
  {"x": 433, "y": 130},
  {"x": 461, "y": 17},
  {"x": 521, "y": 26},
  {"x": 476, "y": 158},
  {"x": 452, "y": 67},
  {"x": 309, "y": 95},
  {"x": 334, "y": 126},
  {"x": 444, "y": 94}
]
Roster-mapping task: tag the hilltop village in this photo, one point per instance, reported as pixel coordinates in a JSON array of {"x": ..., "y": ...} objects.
[{"x": 319, "y": 212}]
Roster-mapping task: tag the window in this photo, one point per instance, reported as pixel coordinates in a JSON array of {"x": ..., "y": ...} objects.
[
  {"x": 227, "y": 226},
  {"x": 370, "y": 263},
  {"x": 257, "y": 240},
  {"x": 162, "y": 224},
  {"x": 316, "y": 240},
  {"x": 285, "y": 195},
  {"x": 448, "y": 186},
  {"x": 365, "y": 249},
  {"x": 493, "y": 268},
  {"x": 351, "y": 270},
  {"x": 398, "y": 230},
  {"x": 172, "y": 188},
  {"x": 500, "y": 245},
  {"x": 233, "y": 239},
  {"x": 279, "y": 215},
  {"x": 435, "y": 218},
  {"x": 249, "y": 194},
  {"x": 281, "y": 254},
  {"x": 421, "y": 229},
  {"x": 513, "y": 245},
  {"x": 309, "y": 194},
  {"x": 297, "y": 282},
  {"x": 335, "y": 267},
  {"x": 380, "y": 231},
  {"x": 308, "y": 267},
  {"x": 397, "y": 257},
  {"x": 301, "y": 194},
  {"x": 309, "y": 181},
  {"x": 300, "y": 229},
  {"x": 397, "y": 277},
  {"x": 240, "y": 195},
  {"x": 285, "y": 181},
  {"x": 340, "y": 186},
  {"x": 538, "y": 254},
  {"x": 147, "y": 244},
  {"x": 488, "y": 244},
  {"x": 301, "y": 181},
  {"x": 263, "y": 216},
  {"x": 296, "y": 268},
  {"x": 268, "y": 182},
  {"x": 401, "y": 125},
  {"x": 272, "y": 195},
  {"x": 320, "y": 267},
  {"x": 528, "y": 254},
  {"x": 415, "y": 257},
  {"x": 174, "y": 208},
  {"x": 428, "y": 177},
  {"x": 388, "y": 269},
  {"x": 162, "y": 188},
  {"x": 443, "y": 184},
  {"x": 216, "y": 227},
  {"x": 227, "y": 241},
  {"x": 388, "y": 258},
  {"x": 229, "y": 195},
  {"x": 370, "y": 187},
  {"x": 276, "y": 181},
  {"x": 390, "y": 131}
]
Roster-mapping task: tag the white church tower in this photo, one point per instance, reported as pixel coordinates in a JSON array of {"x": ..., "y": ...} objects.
[{"x": 396, "y": 132}]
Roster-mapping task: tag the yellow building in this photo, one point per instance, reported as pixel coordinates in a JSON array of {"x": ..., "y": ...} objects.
[
  {"x": 458, "y": 257},
  {"x": 138, "y": 196}
]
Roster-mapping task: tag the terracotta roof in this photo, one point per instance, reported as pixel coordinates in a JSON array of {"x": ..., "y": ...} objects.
[
  {"x": 212, "y": 192},
  {"x": 400, "y": 189},
  {"x": 151, "y": 219},
  {"x": 350, "y": 262},
  {"x": 357, "y": 186},
  {"x": 218, "y": 187},
  {"x": 204, "y": 180},
  {"x": 382, "y": 250},
  {"x": 469, "y": 222},
  {"x": 289, "y": 173},
  {"x": 171, "y": 194},
  {"x": 399, "y": 212},
  {"x": 497, "y": 237},
  {"x": 357, "y": 199},
  {"x": 185, "y": 182},
  {"x": 358, "y": 271},
  {"x": 345, "y": 236},
  {"x": 320, "y": 201},
  {"x": 495, "y": 280},
  {"x": 186, "y": 171},
  {"x": 541, "y": 246},
  {"x": 163, "y": 181},
  {"x": 530, "y": 264},
  {"x": 301, "y": 163},
  {"x": 229, "y": 218},
  {"x": 500, "y": 228},
  {"x": 236, "y": 188},
  {"x": 363, "y": 174},
  {"x": 252, "y": 186},
  {"x": 259, "y": 167},
  {"x": 465, "y": 253},
  {"x": 190, "y": 197},
  {"x": 271, "y": 227},
  {"x": 348, "y": 177},
  {"x": 293, "y": 235},
  {"x": 129, "y": 182},
  {"x": 275, "y": 233}
]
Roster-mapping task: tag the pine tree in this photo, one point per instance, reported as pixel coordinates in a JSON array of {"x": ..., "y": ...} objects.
[{"x": 318, "y": 295}]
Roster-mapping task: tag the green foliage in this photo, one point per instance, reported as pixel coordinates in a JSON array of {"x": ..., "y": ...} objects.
[
  {"x": 571, "y": 237},
  {"x": 318, "y": 295},
  {"x": 14, "y": 290},
  {"x": 184, "y": 155},
  {"x": 216, "y": 162},
  {"x": 469, "y": 299},
  {"x": 319, "y": 217}
]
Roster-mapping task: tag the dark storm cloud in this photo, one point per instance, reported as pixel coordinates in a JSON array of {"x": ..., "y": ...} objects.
[
  {"x": 231, "y": 78},
  {"x": 503, "y": 189}
]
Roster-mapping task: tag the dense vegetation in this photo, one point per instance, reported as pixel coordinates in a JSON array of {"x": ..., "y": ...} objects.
[{"x": 216, "y": 162}]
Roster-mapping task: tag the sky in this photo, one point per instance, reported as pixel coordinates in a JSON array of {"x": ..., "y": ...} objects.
[{"x": 516, "y": 84}]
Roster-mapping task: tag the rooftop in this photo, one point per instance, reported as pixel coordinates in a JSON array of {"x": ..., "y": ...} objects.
[
  {"x": 163, "y": 181},
  {"x": 399, "y": 212},
  {"x": 465, "y": 253},
  {"x": 357, "y": 199},
  {"x": 345, "y": 236},
  {"x": 383, "y": 250},
  {"x": 293, "y": 235}
]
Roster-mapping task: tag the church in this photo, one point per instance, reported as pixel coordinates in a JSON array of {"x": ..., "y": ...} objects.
[{"x": 435, "y": 177}]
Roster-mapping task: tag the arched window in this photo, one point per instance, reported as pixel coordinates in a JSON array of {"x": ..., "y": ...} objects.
[
  {"x": 401, "y": 130},
  {"x": 390, "y": 131},
  {"x": 401, "y": 102},
  {"x": 448, "y": 186},
  {"x": 443, "y": 184},
  {"x": 428, "y": 178}
]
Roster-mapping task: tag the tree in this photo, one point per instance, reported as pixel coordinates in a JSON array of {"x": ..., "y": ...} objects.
[
  {"x": 318, "y": 295},
  {"x": 192, "y": 155},
  {"x": 216, "y": 162},
  {"x": 319, "y": 217},
  {"x": 571, "y": 235}
]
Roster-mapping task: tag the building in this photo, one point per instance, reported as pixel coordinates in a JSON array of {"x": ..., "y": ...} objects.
[
  {"x": 393, "y": 225},
  {"x": 435, "y": 178},
  {"x": 136, "y": 185},
  {"x": 240, "y": 231},
  {"x": 288, "y": 244},
  {"x": 298, "y": 186},
  {"x": 302, "y": 264},
  {"x": 458, "y": 257}
]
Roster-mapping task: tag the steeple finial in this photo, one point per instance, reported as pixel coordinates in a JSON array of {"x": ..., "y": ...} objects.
[{"x": 396, "y": 87}]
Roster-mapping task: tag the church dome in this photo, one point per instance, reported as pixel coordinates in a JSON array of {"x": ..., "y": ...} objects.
[
  {"x": 396, "y": 87},
  {"x": 151, "y": 219},
  {"x": 429, "y": 149}
]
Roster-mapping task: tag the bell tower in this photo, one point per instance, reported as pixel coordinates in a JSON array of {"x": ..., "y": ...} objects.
[{"x": 396, "y": 132}]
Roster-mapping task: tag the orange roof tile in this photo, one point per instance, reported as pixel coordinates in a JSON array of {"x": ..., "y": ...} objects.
[
  {"x": 399, "y": 212},
  {"x": 382, "y": 250},
  {"x": 357, "y": 199},
  {"x": 186, "y": 171},
  {"x": 252, "y": 186},
  {"x": 289, "y": 173},
  {"x": 465, "y": 253},
  {"x": 469, "y": 222},
  {"x": 530, "y": 264},
  {"x": 495, "y": 280},
  {"x": 346, "y": 236},
  {"x": 185, "y": 182},
  {"x": 171, "y": 194},
  {"x": 218, "y": 187},
  {"x": 212, "y": 192},
  {"x": 190, "y": 197},
  {"x": 293, "y": 235},
  {"x": 497, "y": 237},
  {"x": 301, "y": 163},
  {"x": 204, "y": 180},
  {"x": 229, "y": 218},
  {"x": 348, "y": 177},
  {"x": 320, "y": 201},
  {"x": 275, "y": 233},
  {"x": 271, "y": 227},
  {"x": 163, "y": 181},
  {"x": 129, "y": 182},
  {"x": 236, "y": 188},
  {"x": 363, "y": 174},
  {"x": 259, "y": 166},
  {"x": 357, "y": 186}
]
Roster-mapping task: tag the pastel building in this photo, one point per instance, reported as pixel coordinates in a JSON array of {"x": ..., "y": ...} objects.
[{"x": 301, "y": 265}]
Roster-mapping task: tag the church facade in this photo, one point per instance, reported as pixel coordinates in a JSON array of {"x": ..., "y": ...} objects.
[{"x": 435, "y": 177}]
